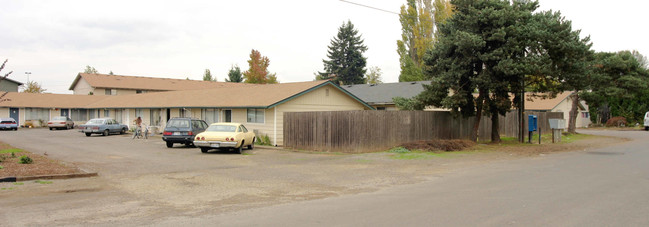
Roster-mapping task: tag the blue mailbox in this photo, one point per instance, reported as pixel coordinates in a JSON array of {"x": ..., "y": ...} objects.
[{"x": 532, "y": 123}]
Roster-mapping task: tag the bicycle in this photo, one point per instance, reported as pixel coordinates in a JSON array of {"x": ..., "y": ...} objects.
[{"x": 139, "y": 134}]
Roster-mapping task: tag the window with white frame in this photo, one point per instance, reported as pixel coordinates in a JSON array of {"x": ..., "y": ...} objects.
[
  {"x": 139, "y": 113},
  {"x": 106, "y": 113},
  {"x": 155, "y": 117},
  {"x": 210, "y": 115},
  {"x": 255, "y": 116}
]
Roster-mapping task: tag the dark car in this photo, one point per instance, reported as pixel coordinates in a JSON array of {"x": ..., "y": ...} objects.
[
  {"x": 102, "y": 126},
  {"x": 8, "y": 123},
  {"x": 182, "y": 130}
]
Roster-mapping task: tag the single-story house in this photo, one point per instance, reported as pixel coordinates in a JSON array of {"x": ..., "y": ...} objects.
[
  {"x": 561, "y": 103},
  {"x": 105, "y": 84},
  {"x": 380, "y": 95},
  {"x": 9, "y": 85},
  {"x": 260, "y": 107}
]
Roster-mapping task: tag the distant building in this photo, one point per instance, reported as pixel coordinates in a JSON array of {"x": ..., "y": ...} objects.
[
  {"x": 380, "y": 96},
  {"x": 9, "y": 85}
]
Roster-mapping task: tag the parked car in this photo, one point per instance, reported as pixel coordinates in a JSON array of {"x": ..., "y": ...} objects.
[
  {"x": 225, "y": 135},
  {"x": 102, "y": 126},
  {"x": 60, "y": 122},
  {"x": 646, "y": 121},
  {"x": 182, "y": 130},
  {"x": 8, "y": 123}
]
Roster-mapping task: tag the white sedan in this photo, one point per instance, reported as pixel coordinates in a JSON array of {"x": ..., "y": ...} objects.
[
  {"x": 60, "y": 122},
  {"x": 225, "y": 135}
]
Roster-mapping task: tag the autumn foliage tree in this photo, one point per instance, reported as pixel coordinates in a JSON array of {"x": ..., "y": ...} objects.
[
  {"x": 2, "y": 99},
  {"x": 33, "y": 87},
  {"x": 258, "y": 71}
]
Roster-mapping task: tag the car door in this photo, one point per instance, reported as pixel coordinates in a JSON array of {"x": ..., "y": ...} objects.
[
  {"x": 248, "y": 136},
  {"x": 114, "y": 126}
]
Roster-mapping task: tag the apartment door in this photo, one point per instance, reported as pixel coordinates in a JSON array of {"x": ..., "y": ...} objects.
[
  {"x": 228, "y": 116},
  {"x": 15, "y": 114},
  {"x": 65, "y": 112}
]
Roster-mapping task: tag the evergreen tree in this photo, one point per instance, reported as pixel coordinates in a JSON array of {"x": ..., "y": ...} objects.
[
  {"x": 207, "y": 76},
  {"x": 346, "y": 64},
  {"x": 234, "y": 75}
]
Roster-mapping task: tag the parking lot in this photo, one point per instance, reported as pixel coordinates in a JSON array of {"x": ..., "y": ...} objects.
[{"x": 144, "y": 179}]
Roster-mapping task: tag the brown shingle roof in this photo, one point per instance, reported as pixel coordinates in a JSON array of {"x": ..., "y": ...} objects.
[
  {"x": 538, "y": 103},
  {"x": 148, "y": 83},
  {"x": 257, "y": 96},
  {"x": 236, "y": 97},
  {"x": 49, "y": 100}
]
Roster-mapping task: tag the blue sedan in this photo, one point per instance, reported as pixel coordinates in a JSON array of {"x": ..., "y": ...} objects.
[{"x": 104, "y": 126}]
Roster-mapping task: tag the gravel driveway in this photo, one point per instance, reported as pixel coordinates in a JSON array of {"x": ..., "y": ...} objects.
[{"x": 142, "y": 181}]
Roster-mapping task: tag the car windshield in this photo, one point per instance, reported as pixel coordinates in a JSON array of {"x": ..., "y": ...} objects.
[
  {"x": 95, "y": 122},
  {"x": 59, "y": 118},
  {"x": 221, "y": 128},
  {"x": 178, "y": 123}
]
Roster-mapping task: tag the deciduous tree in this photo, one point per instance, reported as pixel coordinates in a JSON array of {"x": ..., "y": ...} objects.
[
  {"x": 258, "y": 71},
  {"x": 3, "y": 94},
  {"x": 374, "y": 75},
  {"x": 90, "y": 70},
  {"x": 346, "y": 64},
  {"x": 33, "y": 87}
]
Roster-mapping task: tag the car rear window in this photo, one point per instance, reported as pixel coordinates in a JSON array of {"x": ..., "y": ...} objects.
[
  {"x": 8, "y": 122},
  {"x": 221, "y": 128},
  {"x": 60, "y": 118},
  {"x": 178, "y": 123},
  {"x": 95, "y": 122}
]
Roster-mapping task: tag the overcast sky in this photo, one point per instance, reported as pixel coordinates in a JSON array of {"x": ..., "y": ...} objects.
[{"x": 55, "y": 40}]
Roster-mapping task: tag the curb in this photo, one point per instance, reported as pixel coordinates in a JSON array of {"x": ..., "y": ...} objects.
[{"x": 48, "y": 177}]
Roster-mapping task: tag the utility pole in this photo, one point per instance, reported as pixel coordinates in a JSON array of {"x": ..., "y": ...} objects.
[
  {"x": 28, "y": 73},
  {"x": 521, "y": 114}
]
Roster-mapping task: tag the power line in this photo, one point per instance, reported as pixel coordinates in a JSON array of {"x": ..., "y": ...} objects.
[{"x": 371, "y": 7}]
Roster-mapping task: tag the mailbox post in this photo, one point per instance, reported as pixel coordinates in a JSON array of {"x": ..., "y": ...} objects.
[
  {"x": 531, "y": 126},
  {"x": 557, "y": 125}
]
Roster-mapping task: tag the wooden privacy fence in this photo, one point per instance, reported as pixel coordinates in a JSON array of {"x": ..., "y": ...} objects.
[{"x": 367, "y": 130}]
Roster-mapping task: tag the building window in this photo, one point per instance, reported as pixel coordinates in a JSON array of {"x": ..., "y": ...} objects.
[
  {"x": 210, "y": 115},
  {"x": 255, "y": 115},
  {"x": 138, "y": 113},
  {"x": 585, "y": 115},
  {"x": 380, "y": 108},
  {"x": 79, "y": 114},
  {"x": 107, "y": 91},
  {"x": 35, "y": 114},
  {"x": 155, "y": 117},
  {"x": 111, "y": 91},
  {"x": 327, "y": 92},
  {"x": 139, "y": 91},
  {"x": 185, "y": 112},
  {"x": 106, "y": 113}
]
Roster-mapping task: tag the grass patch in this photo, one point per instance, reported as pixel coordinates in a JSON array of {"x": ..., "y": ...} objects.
[
  {"x": 417, "y": 155},
  {"x": 19, "y": 183},
  {"x": 11, "y": 150},
  {"x": 43, "y": 182}
]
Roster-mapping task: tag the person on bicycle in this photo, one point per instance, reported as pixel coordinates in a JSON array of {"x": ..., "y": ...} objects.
[{"x": 138, "y": 125}]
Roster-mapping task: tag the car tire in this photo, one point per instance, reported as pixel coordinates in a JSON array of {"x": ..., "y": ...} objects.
[
  {"x": 204, "y": 149},
  {"x": 106, "y": 132},
  {"x": 122, "y": 132},
  {"x": 240, "y": 149},
  {"x": 252, "y": 145},
  {"x": 50, "y": 128},
  {"x": 170, "y": 144},
  {"x": 646, "y": 128},
  {"x": 88, "y": 134}
]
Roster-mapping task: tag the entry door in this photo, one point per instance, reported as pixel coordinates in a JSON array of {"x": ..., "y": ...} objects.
[
  {"x": 65, "y": 112},
  {"x": 14, "y": 113},
  {"x": 228, "y": 116}
]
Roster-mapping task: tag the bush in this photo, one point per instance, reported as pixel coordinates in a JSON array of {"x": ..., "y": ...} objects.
[
  {"x": 263, "y": 140},
  {"x": 25, "y": 160},
  {"x": 616, "y": 122},
  {"x": 1, "y": 167},
  {"x": 399, "y": 150},
  {"x": 439, "y": 145}
]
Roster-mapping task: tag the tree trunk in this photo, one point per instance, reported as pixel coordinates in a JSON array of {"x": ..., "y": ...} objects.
[
  {"x": 478, "y": 117},
  {"x": 572, "y": 119},
  {"x": 495, "y": 133}
]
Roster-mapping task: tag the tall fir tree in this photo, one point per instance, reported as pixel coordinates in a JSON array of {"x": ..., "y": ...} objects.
[
  {"x": 234, "y": 75},
  {"x": 207, "y": 76},
  {"x": 346, "y": 64}
]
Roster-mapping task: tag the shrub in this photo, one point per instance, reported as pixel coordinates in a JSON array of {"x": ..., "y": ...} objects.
[
  {"x": 25, "y": 160},
  {"x": 399, "y": 150},
  {"x": 439, "y": 145},
  {"x": 616, "y": 122},
  {"x": 1, "y": 167},
  {"x": 263, "y": 140}
]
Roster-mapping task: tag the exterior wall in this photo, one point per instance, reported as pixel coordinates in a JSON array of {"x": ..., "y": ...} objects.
[
  {"x": 316, "y": 100},
  {"x": 9, "y": 86},
  {"x": 388, "y": 107},
  {"x": 83, "y": 88},
  {"x": 4, "y": 112},
  {"x": 565, "y": 106}
]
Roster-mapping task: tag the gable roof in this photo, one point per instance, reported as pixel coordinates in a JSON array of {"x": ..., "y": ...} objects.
[
  {"x": 148, "y": 83},
  {"x": 538, "y": 103},
  {"x": 383, "y": 93},
  {"x": 250, "y": 96},
  {"x": 36, "y": 100},
  {"x": 13, "y": 81}
]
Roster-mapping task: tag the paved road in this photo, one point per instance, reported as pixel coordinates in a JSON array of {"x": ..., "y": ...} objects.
[{"x": 598, "y": 187}]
